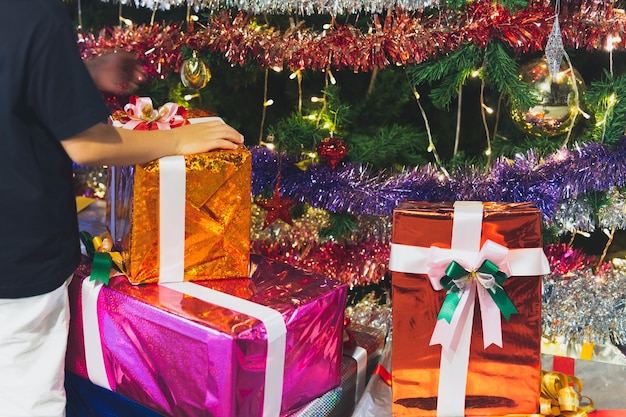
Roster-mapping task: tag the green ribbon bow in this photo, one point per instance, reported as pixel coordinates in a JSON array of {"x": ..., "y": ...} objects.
[
  {"x": 457, "y": 277},
  {"x": 101, "y": 263}
]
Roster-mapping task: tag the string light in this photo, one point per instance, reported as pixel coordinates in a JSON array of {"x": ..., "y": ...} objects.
[
  {"x": 611, "y": 41},
  {"x": 331, "y": 77},
  {"x": 264, "y": 107},
  {"x": 611, "y": 100},
  {"x": 268, "y": 142},
  {"x": 431, "y": 144},
  {"x": 484, "y": 109},
  {"x": 189, "y": 97},
  {"x": 268, "y": 145},
  {"x": 297, "y": 75}
]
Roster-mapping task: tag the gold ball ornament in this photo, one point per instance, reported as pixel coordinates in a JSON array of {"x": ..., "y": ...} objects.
[
  {"x": 194, "y": 73},
  {"x": 556, "y": 99}
]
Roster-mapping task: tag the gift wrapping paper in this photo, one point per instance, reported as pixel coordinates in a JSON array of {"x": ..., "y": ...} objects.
[
  {"x": 357, "y": 366},
  {"x": 490, "y": 379},
  {"x": 195, "y": 207},
  {"x": 601, "y": 368},
  {"x": 181, "y": 356}
]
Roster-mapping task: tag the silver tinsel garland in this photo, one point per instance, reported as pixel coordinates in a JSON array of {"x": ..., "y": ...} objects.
[
  {"x": 301, "y": 7},
  {"x": 586, "y": 306},
  {"x": 577, "y": 214}
]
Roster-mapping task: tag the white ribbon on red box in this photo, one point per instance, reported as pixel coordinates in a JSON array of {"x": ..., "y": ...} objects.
[{"x": 455, "y": 336}]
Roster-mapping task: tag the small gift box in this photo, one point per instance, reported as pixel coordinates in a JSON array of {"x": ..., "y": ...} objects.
[
  {"x": 601, "y": 369},
  {"x": 180, "y": 218},
  {"x": 259, "y": 346},
  {"x": 359, "y": 361},
  {"x": 466, "y": 282}
]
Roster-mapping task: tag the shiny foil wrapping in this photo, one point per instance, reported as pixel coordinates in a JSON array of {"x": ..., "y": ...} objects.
[
  {"x": 217, "y": 216},
  {"x": 341, "y": 401},
  {"x": 183, "y": 357},
  {"x": 603, "y": 377},
  {"x": 500, "y": 380}
]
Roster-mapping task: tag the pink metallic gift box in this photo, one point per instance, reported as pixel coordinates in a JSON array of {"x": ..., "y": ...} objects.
[{"x": 182, "y": 356}]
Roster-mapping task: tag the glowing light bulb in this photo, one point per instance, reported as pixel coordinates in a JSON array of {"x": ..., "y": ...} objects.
[
  {"x": 331, "y": 78},
  {"x": 612, "y": 99},
  {"x": 611, "y": 40}
]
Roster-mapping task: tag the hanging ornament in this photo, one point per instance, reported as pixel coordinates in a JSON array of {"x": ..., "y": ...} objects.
[
  {"x": 277, "y": 207},
  {"x": 332, "y": 150},
  {"x": 194, "y": 73},
  {"x": 559, "y": 99},
  {"x": 555, "y": 49}
]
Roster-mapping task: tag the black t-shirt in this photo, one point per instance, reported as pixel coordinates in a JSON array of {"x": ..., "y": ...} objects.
[{"x": 46, "y": 96}]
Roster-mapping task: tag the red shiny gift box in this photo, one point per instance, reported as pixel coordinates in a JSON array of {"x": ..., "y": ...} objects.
[{"x": 459, "y": 271}]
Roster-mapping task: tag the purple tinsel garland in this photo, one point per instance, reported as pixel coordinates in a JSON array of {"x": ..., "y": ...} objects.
[{"x": 356, "y": 189}]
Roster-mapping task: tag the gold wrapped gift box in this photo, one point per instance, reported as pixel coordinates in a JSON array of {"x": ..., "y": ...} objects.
[{"x": 217, "y": 216}]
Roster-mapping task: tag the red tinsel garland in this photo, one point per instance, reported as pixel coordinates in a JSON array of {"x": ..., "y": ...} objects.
[{"x": 403, "y": 38}]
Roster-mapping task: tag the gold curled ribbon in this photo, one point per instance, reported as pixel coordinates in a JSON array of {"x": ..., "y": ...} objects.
[
  {"x": 104, "y": 243},
  {"x": 100, "y": 248},
  {"x": 560, "y": 396}
]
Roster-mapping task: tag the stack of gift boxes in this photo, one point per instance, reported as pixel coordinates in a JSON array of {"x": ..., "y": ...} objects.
[{"x": 194, "y": 325}]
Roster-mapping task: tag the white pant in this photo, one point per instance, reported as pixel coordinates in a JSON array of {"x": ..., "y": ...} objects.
[{"x": 33, "y": 341}]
